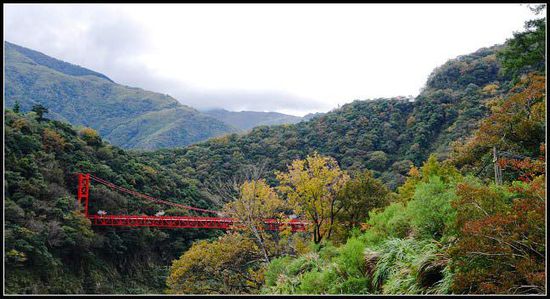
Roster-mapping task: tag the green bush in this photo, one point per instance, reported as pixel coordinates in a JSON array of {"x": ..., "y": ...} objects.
[
  {"x": 393, "y": 222},
  {"x": 276, "y": 268},
  {"x": 355, "y": 285},
  {"x": 352, "y": 258},
  {"x": 430, "y": 210},
  {"x": 328, "y": 251},
  {"x": 318, "y": 282}
]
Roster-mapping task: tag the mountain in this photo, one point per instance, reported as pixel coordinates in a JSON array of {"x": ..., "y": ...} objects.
[
  {"x": 126, "y": 116},
  {"x": 383, "y": 135},
  {"x": 246, "y": 120}
]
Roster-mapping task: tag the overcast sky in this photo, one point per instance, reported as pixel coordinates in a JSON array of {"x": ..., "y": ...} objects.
[{"x": 287, "y": 58}]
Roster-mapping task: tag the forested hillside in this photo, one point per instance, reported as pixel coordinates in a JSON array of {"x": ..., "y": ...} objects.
[
  {"x": 126, "y": 116},
  {"x": 50, "y": 247},
  {"x": 386, "y": 136}
]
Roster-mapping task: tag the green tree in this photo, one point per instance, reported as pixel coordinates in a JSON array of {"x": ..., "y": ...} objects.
[
  {"x": 526, "y": 51},
  {"x": 40, "y": 110},
  {"x": 358, "y": 197},
  {"x": 16, "y": 107}
]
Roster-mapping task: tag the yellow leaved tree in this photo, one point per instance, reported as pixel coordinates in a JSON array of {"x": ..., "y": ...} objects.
[
  {"x": 229, "y": 265},
  {"x": 311, "y": 186},
  {"x": 257, "y": 202}
]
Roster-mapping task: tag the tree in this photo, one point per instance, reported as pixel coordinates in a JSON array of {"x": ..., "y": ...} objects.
[
  {"x": 40, "y": 111},
  {"x": 358, "y": 197},
  {"x": 311, "y": 186},
  {"x": 16, "y": 107},
  {"x": 229, "y": 265},
  {"x": 52, "y": 141},
  {"x": 445, "y": 170},
  {"x": 501, "y": 247},
  {"x": 222, "y": 191},
  {"x": 90, "y": 136},
  {"x": 257, "y": 201},
  {"x": 516, "y": 126},
  {"x": 377, "y": 160},
  {"x": 526, "y": 51}
]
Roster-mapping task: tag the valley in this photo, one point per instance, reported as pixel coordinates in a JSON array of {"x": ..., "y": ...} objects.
[{"x": 443, "y": 194}]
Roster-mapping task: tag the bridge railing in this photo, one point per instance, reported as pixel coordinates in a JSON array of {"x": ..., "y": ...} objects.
[{"x": 188, "y": 222}]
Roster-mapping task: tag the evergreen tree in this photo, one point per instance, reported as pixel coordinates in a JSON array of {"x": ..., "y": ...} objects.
[
  {"x": 16, "y": 107},
  {"x": 40, "y": 111}
]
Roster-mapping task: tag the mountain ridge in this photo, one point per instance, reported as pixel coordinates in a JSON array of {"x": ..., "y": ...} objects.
[
  {"x": 86, "y": 98},
  {"x": 246, "y": 120}
]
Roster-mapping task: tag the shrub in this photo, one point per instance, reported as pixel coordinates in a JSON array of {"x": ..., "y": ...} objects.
[
  {"x": 277, "y": 267},
  {"x": 391, "y": 222},
  {"x": 402, "y": 265},
  {"x": 430, "y": 210},
  {"x": 352, "y": 258}
]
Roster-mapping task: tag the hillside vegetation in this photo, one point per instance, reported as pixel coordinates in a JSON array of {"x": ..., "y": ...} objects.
[
  {"x": 461, "y": 223},
  {"x": 445, "y": 194},
  {"x": 50, "y": 247},
  {"x": 386, "y": 136},
  {"x": 126, "y": 116}
]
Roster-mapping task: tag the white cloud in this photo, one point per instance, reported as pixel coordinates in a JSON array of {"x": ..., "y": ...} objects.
[{"x": 291, "y": 58}]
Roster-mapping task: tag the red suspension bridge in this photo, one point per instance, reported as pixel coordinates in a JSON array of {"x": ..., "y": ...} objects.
[{"x": 218, "y": 222}]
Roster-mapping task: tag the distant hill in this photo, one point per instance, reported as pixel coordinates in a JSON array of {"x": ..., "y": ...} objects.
[
  {"x": 126, "y": 116},
  {"x": 245, "y": 120},
  {"x": 312, "y": 115}
]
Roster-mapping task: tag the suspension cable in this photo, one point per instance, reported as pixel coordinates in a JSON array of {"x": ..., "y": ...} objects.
[{"x": 150, "y": 198}]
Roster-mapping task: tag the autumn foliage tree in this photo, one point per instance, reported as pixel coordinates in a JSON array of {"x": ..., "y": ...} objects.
[
  {"x": 501, "y": 245},
  {"x": 311, "y": 187},
  {"x": 90, "y": 136},
  {"x": 228, "y": 265},
  {"x": 52, "y": 141},
  {"x": 257, "y": 201},
  {"x": 516, "y": 127}
]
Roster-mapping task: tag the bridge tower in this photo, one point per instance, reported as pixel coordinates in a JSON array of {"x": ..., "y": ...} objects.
[{"x": 84, "y": 191}]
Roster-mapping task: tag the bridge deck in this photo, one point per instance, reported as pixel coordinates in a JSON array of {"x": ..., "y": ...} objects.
[{"x": 185, "y": 222}]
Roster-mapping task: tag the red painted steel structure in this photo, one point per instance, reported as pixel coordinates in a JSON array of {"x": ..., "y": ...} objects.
[
  {"x": 84, "y": 191},
  {"x": 166, "y": 221},
  {"x": 185, "y": 222}
]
